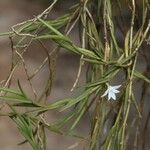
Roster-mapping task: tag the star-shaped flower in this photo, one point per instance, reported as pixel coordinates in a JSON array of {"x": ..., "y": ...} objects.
[{"x": 111, "y": 92}]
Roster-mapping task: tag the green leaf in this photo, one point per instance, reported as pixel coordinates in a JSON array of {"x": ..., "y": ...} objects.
[
  {"x": 15, "y": 98},
  {"x": 85, "y": 94},
  {"x": 6, "y": 34},
  {"x": 141, "y": 76},
  {"x": 50, "y": 27},
  {"x": 11, "y": 91},
  {"x": 25, "y": 126},
  {"x": 26, "y": 105},
  {"x": 54, "y": 37}
]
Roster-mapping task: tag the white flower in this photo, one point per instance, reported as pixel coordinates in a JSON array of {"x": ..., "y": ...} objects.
[{"x": 111, "y": 92}]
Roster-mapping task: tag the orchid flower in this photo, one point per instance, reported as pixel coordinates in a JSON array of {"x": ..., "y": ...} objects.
[{"x": 111, "y": 91}]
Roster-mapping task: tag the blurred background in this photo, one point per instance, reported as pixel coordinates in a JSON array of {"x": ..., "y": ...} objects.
[
  {"x": 16, "y": 11},
  {"x": 11, "y": 13}
]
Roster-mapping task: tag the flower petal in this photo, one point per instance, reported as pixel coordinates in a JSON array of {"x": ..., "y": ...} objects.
[
  {"x": 111, "y": 92},
  {"x": 106, "y": 92},
  {"x": 113, "y": 96},
  {"x": 109, "y": 95},
  {"x": 116, "y": 87},
  {"x": 115, "y": 91}
]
